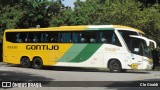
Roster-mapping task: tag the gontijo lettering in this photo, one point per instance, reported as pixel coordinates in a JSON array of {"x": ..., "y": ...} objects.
[{"x": 42, "y": 47}]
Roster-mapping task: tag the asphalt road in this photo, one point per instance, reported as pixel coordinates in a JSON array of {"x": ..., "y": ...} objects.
[{"x": 49, "y": 74}]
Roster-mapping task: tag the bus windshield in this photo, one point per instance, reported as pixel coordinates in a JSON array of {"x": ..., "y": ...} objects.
[
  {"x": 136, "y": 46},
  {"x": 147, "y": 51},
  {"x": 139, "y": 47}
]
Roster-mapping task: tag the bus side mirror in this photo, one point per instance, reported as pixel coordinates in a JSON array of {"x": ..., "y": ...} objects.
[{"x": 136, "y": 50}]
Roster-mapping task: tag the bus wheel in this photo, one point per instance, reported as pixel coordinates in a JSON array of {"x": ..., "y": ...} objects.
[
  {"x": 37, "y": 63},
  {"x": 115, "y": 66},
  {"x": 25, "y": 62}
]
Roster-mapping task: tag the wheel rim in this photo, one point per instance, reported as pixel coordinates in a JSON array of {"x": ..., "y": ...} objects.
[
  {"x": 37, "y": 63},
  {"x": 115, "y": 65},
  {"x": 25, "y": 62}
]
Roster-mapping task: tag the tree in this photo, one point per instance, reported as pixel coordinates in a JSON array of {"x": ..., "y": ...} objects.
[
  {"x": 27, "y": 13},
  {"x": 140, "y": 14},
  {"x": 122, "y": 12}
]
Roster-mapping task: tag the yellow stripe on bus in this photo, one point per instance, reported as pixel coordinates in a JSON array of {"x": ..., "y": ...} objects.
[{"x": 119, "y": 26}]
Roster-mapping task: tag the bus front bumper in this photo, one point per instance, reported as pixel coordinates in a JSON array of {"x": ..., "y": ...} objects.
[{"x": 149, "y": 65}]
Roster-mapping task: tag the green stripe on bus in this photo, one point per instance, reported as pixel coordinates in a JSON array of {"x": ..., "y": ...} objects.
[
  {"x": 72, "y": 52},
  {"x": 86, "y": 53},
  {"x": 99, "y": 29}
]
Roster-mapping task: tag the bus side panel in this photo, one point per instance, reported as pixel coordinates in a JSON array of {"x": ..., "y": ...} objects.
[
  {"x": 115, "y": 52},
  {"x": 62, "y": 54}
]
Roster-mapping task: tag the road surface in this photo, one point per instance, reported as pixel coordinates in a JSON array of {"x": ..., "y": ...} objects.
[{"x": 49, "y": 74}]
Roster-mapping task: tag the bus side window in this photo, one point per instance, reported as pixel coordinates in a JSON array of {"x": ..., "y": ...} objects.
[
  {"x": 94, "y": 36},
  {"x": 27, "y": 39},
  {"x": 54, "y": 37},
  {"x": 102, "y": 37},
  {"x": 115, "y": 40},
  {"x": 42, "y": 37},
  {"x": 59, "y": 37},
  {"x": 98, "y": 39},
  {"x": 82, "y": 38},
  {"x": 35, "y": 38},
  {"x": 75, "y": 37},
  {"x": 18, "y": 39},
  {"x": 66, "y": 37},
  {"x": 88, "y": 37},
  {"x": 110, "y": 37},
  {"x": 11, "y": 37},
  {"x": 46, "y": 36}
]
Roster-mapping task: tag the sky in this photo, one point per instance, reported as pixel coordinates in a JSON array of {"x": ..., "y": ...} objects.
[{"x": 70, "y": 2}]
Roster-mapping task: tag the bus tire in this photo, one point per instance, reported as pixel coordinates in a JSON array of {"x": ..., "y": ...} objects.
[
  {"x": 115, "y": 66},
  {"x": 25, "y": 62},
  {"x": 37, "y": 63}
]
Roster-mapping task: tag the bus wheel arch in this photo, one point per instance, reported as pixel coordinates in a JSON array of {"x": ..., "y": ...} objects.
[
  {"x": 37, "y": 62},
  {"x": 115, "y": 65},
  {"x": 25, "y": 62}
]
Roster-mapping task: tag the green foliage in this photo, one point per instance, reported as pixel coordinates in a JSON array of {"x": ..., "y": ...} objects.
[
  {"x": 27, "y": 13},
  {"x": 122, "y": 12},
  {"x": 38, "y": 12},
  {"x": 65, "y": 17},
  {"x": 10, "y": 16}
]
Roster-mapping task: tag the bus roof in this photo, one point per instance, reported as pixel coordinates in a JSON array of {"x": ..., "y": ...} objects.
[
  {"x": 126, "y": 28},
  {"x": 79, "y": 28}
]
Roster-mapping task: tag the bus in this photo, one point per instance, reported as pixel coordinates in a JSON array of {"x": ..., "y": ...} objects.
[{"x": 116, "y": 47}]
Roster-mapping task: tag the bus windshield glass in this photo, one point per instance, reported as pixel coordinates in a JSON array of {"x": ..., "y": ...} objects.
[
  {"x": 139, "y": 47},
  {"x": 147, "y": 50},
  {"x": 126, "y": 37}
]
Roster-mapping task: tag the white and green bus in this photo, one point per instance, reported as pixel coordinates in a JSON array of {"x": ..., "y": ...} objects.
[{"x": 116, "y": 47}]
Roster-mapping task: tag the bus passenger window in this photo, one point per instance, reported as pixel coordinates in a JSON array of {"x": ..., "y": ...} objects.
[
  {"x": 89, "y": 37},
  {"x": 27, "y": 39},
  {"x": 82, "y": 38},
  {"x": 75, "y": 37},
  {"x": 59, "y": 37},
  {"x": 35, "y": 38},
  {"x": 54, "y": 37},
  {"x": 66, "y": 37},
  {"x": 102, "y": 37},
  {"x": 18, "y": 39},
  {"x": 93, "y": 37},
  {"x": 46, "y": 37},
  {"x": 109, "y": 37},
  {"x": 115, "y": 40},
  {"x": 42, "y": 37},
  {"x": 11, "y": 37}
]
